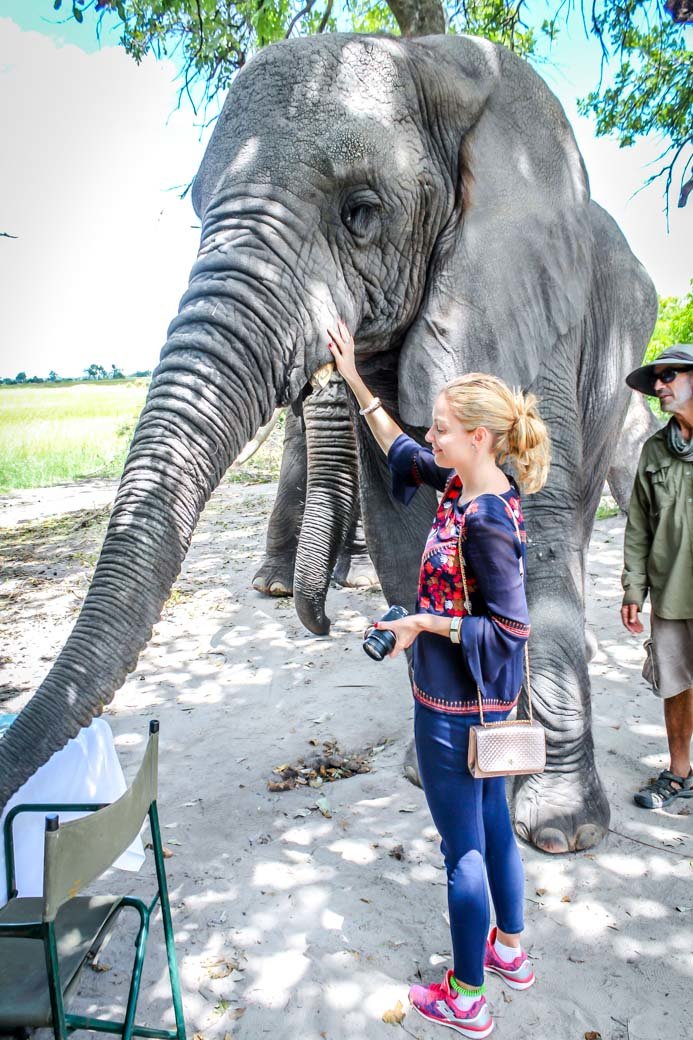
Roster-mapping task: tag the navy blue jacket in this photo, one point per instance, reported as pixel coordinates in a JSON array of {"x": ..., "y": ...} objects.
[{"x": 491, "y": 651}]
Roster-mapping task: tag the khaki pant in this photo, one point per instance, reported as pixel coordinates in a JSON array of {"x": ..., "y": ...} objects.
[{"x": 669, "y": 662}]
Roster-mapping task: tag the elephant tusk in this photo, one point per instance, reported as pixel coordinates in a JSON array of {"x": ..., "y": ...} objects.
[
  {"x": 321, "y": 377},
  {"x": 258, "y": 440}
]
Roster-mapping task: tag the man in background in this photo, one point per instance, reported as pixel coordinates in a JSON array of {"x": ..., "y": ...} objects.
[{"x": 658, "y": 554}]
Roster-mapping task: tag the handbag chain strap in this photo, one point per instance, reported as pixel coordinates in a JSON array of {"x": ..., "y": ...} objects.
[{"x": 468, "y": 608}]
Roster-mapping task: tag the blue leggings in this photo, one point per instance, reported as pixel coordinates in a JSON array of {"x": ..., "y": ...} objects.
[{"x": 478, "y": 843}]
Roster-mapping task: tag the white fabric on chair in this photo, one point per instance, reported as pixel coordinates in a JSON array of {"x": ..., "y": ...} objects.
[{"x": 85, "y": 770}]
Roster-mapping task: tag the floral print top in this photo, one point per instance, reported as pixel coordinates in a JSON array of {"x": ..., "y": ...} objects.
[
  {"x": 490, "y": 654},
  {"x": 440, "y": 580}
]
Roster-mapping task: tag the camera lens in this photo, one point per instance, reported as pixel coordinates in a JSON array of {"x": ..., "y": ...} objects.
[{"x": 378, "y": 643}]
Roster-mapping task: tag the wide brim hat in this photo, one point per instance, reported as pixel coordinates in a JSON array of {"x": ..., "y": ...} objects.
[{"x": 678, "y": 356}]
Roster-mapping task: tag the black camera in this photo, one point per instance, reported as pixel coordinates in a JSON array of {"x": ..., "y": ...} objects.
[{"x": 378, "y": 643}]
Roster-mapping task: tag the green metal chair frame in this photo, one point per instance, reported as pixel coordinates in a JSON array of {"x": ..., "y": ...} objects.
[{"x": 75, "y": 854}]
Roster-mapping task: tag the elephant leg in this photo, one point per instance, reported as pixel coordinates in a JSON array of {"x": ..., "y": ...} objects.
[
  {"x": 276, "y": 574},
  {"x": 354, "y": 568},
  {"x": 565, "y": 808},
  {"x": 395, "y": 535}
]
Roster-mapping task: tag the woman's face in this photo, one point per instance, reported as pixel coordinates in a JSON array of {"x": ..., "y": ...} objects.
[{"x": 452, "y": 444}]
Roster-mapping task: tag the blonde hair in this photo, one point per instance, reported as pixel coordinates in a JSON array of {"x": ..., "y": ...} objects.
[{"x": 512, "y": 417}]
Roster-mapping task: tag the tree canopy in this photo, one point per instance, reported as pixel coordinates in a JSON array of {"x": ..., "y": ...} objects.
[{"x": 645, "y": 85}]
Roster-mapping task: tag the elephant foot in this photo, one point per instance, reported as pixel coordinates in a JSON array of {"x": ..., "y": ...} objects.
[
  {"x": 355, "y": 571},
  {"x": 561, "y": 812},
  {"x": 275, "y": 576},
  {"x": 410, "y": 765}
]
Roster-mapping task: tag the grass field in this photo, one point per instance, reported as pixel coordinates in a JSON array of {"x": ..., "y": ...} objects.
[
  {"x": 62, "y": 433},
  {"x": 54, "y": 434}
]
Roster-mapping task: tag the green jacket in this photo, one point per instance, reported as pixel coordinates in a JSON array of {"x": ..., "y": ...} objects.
[{"x": 658, "y": 550}]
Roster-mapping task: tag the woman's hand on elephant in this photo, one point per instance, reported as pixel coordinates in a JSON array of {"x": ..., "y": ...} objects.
[
  {"x": 382, "y": 426},
  {"x": 405, "y": 630},
  {"x": 342, "y": 348}
]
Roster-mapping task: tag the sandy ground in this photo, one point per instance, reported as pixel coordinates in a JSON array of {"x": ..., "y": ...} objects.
[{"x": 295, "y": 924}]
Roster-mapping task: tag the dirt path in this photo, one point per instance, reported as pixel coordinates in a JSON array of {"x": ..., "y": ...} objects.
[
  {"x": 32, "y": 505},
  {"x": 303, "y": 914}
]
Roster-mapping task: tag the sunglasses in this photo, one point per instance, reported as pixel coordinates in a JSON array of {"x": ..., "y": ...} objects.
[{"x": 668, "y": 375}]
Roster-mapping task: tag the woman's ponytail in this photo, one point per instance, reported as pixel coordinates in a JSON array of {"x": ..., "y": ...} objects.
[{"x": 528, "y": 444}]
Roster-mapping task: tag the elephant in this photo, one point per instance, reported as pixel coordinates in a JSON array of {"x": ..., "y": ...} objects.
[
  {"x": 315, "y": 531},
  {"x": 431, "y": 194}
]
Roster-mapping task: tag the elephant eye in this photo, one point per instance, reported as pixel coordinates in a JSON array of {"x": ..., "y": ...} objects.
[{"x": 360, "y": 214}]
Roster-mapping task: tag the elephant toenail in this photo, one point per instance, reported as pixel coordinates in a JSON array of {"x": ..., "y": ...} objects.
[
  {"x": 588, "y": 835},
  {"x": 522, "y": 830},
  {"x": 550, "y": 839}
]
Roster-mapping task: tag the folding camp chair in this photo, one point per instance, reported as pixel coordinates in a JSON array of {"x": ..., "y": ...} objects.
[{"x": 45, "y": 942}]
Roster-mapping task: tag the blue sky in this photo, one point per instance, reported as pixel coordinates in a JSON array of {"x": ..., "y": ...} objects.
[
  {"x": 94, "y": 152},
  {"x": 39, "y": 16}
]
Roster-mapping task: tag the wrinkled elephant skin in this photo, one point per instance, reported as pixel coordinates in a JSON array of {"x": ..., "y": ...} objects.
[{"x": 430, "y": 193}]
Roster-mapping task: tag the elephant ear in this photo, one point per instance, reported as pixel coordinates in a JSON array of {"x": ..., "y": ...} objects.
[{"x": 511, "y": 270}]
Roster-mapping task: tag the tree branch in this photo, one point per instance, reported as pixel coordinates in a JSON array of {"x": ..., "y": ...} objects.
[
  {"x": 326, "y": 16},
  {"x": 297, "y": 17}
]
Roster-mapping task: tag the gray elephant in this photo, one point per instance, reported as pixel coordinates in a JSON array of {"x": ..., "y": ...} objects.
[{"x": 430, "y": 192}]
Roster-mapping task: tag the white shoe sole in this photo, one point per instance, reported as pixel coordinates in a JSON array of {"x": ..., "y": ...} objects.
[{"x": 471, "y": 1034}]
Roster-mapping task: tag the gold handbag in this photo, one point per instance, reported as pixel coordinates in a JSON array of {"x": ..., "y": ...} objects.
[{"x": 504, "y": 748}]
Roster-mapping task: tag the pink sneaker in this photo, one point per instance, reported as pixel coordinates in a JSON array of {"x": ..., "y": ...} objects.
[
  {"x": 518, "y": 973},
  {"x": 437, "y": 1004}
]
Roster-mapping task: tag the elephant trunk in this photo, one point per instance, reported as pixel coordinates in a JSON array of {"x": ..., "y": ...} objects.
[
  {"x": 331, "y": 499},
  {"x": 203, "y": 406}
]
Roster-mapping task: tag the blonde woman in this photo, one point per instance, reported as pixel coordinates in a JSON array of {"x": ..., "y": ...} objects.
[{"x": 478, "y": 424}]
